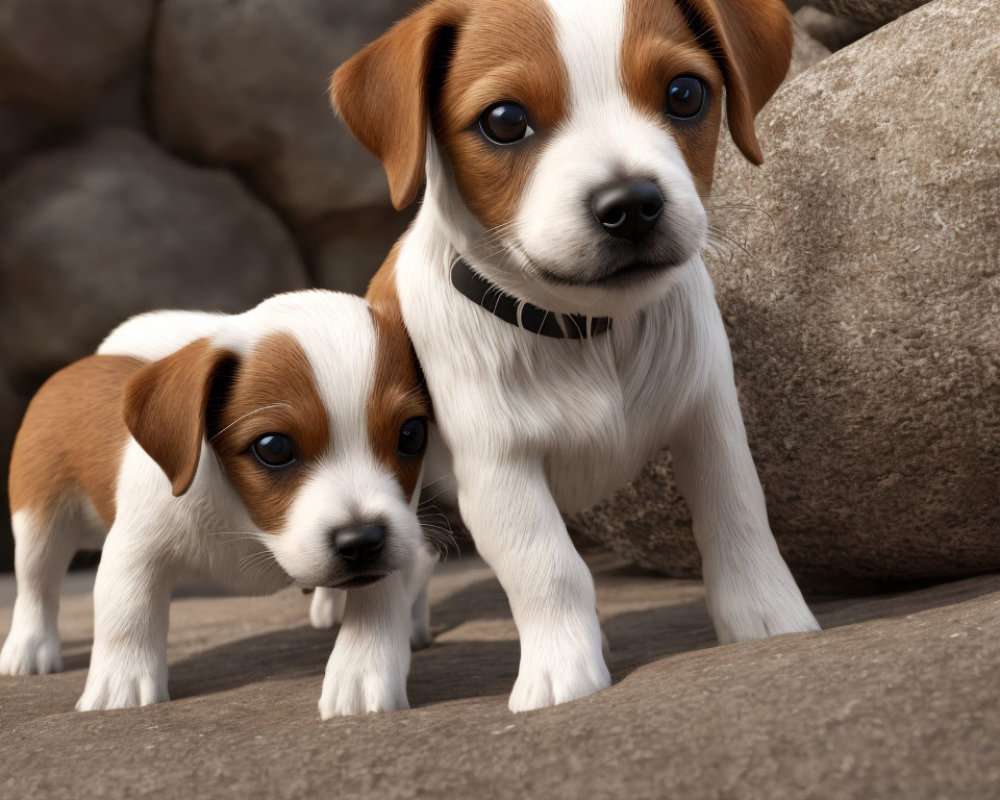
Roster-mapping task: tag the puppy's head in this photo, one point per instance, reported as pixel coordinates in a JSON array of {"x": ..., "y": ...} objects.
[
  {"x": 314, "y": 408},
  {"x": 571, "y": 141}
]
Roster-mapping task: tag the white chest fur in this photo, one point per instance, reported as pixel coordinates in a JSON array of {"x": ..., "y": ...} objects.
[{"x": 593, "y": 411}]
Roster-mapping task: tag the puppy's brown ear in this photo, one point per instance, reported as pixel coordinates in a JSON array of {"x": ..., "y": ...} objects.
[
  {"x": 382, "y": 93},
  {"x": 752, "y": 41},
  {"x": 166, "y": 404}
]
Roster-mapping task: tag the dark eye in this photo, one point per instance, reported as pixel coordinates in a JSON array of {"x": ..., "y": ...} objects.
[
  {"x": 685, "y": 97},
  {"x": 273, "y": 450},
  {"x": 505, "y": 123},
  {"x": 412, "y": 438}
]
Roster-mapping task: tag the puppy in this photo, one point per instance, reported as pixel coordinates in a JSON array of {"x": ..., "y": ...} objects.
[
  {"x": 553, "y": 288},
  {"x": 280, "y": 445}
]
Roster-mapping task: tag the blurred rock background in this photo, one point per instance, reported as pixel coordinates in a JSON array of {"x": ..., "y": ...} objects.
[
  {"x": 172, "y": 153},
  {"x": 182, "y": 153}
]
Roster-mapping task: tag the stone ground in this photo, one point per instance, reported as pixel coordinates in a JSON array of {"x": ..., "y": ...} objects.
[{"x": 897, "y": 697}]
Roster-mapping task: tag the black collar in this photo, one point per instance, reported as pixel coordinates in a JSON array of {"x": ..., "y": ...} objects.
[{"x": 522, "y": 314}]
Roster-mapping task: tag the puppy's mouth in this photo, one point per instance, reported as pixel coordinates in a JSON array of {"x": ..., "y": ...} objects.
[
  {"x": 632, "y": 274},
  {"x": 357, "y": 581}
]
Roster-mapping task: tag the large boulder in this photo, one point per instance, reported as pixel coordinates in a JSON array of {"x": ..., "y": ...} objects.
[
  {"x": 58, "y": 56},
  {"x": 93, "y": 233},
  {"x": 12, "y": 408},
  {"x": 806, "y": 52},
  {"x": 832, "y": 32},
  {"x": 245, "y": 85},
  {"x": 862, "y": 296},
  {"x": 872, "y": 12}
]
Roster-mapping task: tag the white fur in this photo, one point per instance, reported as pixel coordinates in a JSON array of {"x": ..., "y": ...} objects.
[
  {"x": 537, "y": 426},
  {"x": 208, "y": 530}
]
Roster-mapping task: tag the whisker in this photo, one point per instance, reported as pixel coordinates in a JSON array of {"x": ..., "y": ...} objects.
[{"x": 249, "y": 414}]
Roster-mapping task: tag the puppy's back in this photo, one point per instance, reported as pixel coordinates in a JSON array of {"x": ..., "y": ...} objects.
[{"x": 72, "y": 438}]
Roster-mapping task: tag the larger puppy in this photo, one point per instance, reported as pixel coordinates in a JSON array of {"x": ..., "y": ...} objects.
[{"x": 554, "y": 291}]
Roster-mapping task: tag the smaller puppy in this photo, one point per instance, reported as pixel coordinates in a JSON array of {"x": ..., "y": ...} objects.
[{"x": 280, "y": 445}]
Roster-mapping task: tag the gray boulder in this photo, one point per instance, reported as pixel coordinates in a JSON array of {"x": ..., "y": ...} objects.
[
  {"x": 12, "y": 408},
  {"x": 832, "y": 32},
  {"x": 806, "y": 52},
  {"x": 873, "y": 12},
  {"x": 93, "y": 233},
  {"x": 245, "y": 85},
  {"x": 58, "y": 56},
  {"x": 862, "y": 297}
]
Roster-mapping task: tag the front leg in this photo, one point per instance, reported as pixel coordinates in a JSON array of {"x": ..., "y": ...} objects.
[
  {"x": 128, "y": 664},
  {"x": 520, "y": 533},
  {"x": 367, "y": 669},
  {"x": 750, "y": 592}
]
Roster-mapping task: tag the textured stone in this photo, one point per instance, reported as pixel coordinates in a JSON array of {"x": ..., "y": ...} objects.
[
  {"x": 832, "y": 32},
  {"x": 93, "y": 233},
  {"x": 346, "y": 249},
  {"x": 806, "y": 52},
  {"x": 860, "y": 282},
  {"x": 896, "y": 698},
  {"x": 12, "y": 407},
  {"x": 874, "y": 12},
  {"x": 245, "y": 84},
  {"x": 58, "y": 56}
]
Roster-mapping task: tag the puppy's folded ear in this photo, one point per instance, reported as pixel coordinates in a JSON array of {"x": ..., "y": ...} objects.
[
  {"x": 752, "y": 41},
  {"x": 383, "y": 92},
  {"x": 166, "y": 405}
]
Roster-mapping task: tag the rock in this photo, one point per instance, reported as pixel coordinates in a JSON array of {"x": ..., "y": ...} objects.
[
  {"x": 93, "y": 233},
  {"x": 245, "y": 85},
  {"x": 895, "y": 698},
  {"x": 19, "y": 130},
  {"x": 832, "y": 32},
  {"x": 806, "y": 52},
  {"x": 346, "y": 249},
  {"x": 872, "y": 12},
  {"x": 58, "y": 56},
  {"x": 12, "y": 408},
  {"x": 862, "y": 298}
]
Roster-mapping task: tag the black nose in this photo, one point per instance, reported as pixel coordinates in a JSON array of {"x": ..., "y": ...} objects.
[
  {"x": 360, "y": 544},
  {"x": 629, "y": 209}
]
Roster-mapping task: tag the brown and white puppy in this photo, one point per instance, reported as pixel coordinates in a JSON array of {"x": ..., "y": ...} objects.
[
  {"x": 280, "y": 445},
  {"x": 554, "y": 290}
]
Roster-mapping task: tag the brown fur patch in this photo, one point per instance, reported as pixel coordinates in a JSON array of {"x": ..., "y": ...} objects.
[
  {"x": 398, "y": 392},
  {"x": 484, "y": 52},
  {"x": 505, "y": 50},
  {"x": 382, "y": 93},
  {"x": 751, "y": 41},
  {"x": 73, "y": 437},
  {"x": 165, "y": 406},
  {"x": 274, "y": 391},
  {"x": 657, "y": 47}
]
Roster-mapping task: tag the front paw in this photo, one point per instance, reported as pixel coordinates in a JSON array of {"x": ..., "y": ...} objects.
[
  {"x": 361, "y": 688},
  {"x": 122, "y": 683},
  {"x": 327, "y": 607},
  {"x": 31, "y": 652},
  {"x": 551, "y": 675},
  {"x": 740, "y": 616}
]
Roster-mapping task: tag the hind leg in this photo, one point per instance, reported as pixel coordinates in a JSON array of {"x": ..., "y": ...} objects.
[{"x": 43, "y": 550}]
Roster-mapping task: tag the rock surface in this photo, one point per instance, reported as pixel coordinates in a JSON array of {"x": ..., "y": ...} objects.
[
  {"x": 834, "y": 33},
  {"x": 93, "y": 233},
  {"x": 862, "y": 297},
  {"x": 58, "y": 56},
  {"x": 873, "y": 12},
  {"x": 895, "y": 699},
  {"x": 806, "y": 52},
  {"x": 245, "y": 85},
  {"x": 12, "y": 408}
]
